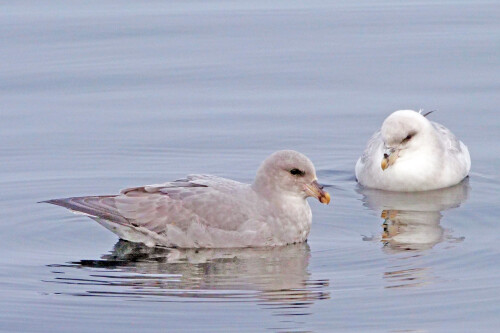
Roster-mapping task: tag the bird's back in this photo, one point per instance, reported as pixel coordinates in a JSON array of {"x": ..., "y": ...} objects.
[
  {"x": 198, "y": 211},
  {"x": 456, "y": 152}
]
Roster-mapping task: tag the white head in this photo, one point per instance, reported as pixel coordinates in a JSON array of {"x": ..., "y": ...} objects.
[
  {"x": 403, "y": 130},
  {"x": 291, "y": 172}
]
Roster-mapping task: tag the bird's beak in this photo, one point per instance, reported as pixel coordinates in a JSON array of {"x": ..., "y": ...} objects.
[
  {"x": 390, "y": 157},
  {"x": 316, "y": 190}
]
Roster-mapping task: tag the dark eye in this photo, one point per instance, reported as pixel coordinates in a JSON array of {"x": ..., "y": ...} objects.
[
  {"x": 408, "y": 137},
  {"x": 297, "y": 172}
]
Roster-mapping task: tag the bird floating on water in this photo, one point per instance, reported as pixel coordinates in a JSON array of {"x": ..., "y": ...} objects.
[
  {"x": 204, "y": 211},
  {"x": 410, "y": 153}
]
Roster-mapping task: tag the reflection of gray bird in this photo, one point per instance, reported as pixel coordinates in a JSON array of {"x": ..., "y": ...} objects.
[
  {"x": 205, "y": 211},
  {"x": 412, "y": 220},
  {"x": 279, "y": 275},
  {"x": 410, "y": 153}
]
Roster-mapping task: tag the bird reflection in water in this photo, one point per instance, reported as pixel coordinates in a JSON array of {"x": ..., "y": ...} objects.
[
  {"x": 412, "y": 220},
  {"x": 412, "y": 225},
  {"x": 275, "y": 278},
  {"x": 411, "y": 230}
]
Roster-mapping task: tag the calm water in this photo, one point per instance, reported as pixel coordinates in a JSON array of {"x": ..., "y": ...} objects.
[{"x": 96, "y": 96}]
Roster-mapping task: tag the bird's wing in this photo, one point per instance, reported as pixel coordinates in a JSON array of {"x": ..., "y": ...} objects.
[
  {"x": 374, "y": 148},
  {"x": 206, "y": 201},
  {"x": 451, "y": 143},
  {"x": 191, "y": 181},
  {"x": 454, "y": 148},
  {"x": 201, "y": 200}
]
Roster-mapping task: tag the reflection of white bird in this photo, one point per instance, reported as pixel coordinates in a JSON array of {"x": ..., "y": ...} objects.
[
  {"x": 425, "y": 201},
  {"x": 411, "y": 153},
  {"x": 212, "y": 212},
  {"x": 412, "y": 220},
  {"x": 411, "y": 230}
]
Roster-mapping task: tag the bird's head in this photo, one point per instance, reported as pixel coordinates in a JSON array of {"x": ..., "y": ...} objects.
[
  {"x": 290, "y": 172},
  {"x": 402, "y": 131}
]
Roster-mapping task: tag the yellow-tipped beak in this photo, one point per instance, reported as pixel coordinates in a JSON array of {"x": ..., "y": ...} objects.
[
  {"x": 388, "y": 160},
  {"x": 385, "y": 163},
  {"x": 325, "y": 198},
  {"x": 316, "y": 190}
]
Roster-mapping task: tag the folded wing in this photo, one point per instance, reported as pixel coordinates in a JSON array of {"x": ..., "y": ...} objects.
[{"x": 198, "y": 202}]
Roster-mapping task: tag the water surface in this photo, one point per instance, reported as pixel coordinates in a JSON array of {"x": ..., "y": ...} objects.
[{"x": 96, "y": 96}]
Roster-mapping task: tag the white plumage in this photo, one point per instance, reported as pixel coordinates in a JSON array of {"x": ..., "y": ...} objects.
[{"x": 410, "y": 153}]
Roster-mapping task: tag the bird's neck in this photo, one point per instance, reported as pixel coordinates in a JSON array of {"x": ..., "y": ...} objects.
[{"x": 267, "y": 188}]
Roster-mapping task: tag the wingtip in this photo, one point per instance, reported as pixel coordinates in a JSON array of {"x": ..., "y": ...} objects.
[
  {"x": 427, "y": 113},
  {"x": 52, "y": 201}
]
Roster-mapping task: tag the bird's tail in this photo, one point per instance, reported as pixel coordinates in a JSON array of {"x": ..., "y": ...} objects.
[{"x": 103, "y": 207}]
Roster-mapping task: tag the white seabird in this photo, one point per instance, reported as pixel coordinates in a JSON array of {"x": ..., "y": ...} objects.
[{"x": 410, "y": 153}]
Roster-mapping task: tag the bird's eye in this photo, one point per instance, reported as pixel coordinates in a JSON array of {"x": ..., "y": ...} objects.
[
  {"x": 297, "y": 172},
  {"x": 408, "y": 137}
]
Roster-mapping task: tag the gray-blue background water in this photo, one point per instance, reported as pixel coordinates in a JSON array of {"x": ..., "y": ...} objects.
[{"x": 96, "y": 96}]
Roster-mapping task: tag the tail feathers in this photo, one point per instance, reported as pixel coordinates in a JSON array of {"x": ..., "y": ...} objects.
[{"x": 103, "y": 207}]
